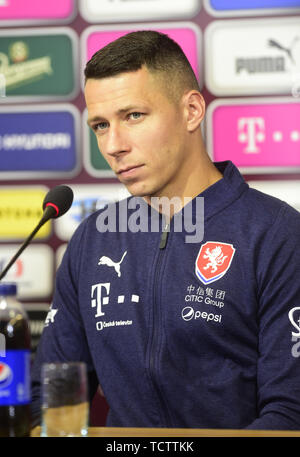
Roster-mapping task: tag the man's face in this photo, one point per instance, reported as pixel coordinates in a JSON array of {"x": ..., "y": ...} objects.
[{"x": 140, "y": 132}]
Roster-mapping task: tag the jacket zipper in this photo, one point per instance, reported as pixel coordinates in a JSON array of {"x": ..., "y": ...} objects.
[
  {"x": 153, "y": 352},
  {"x": 164, "y": 236}
]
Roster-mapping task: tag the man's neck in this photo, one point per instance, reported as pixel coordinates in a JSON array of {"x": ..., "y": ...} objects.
[{"x": 172, "y": 201}]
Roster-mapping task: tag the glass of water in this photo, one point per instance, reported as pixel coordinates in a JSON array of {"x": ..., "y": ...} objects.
[{"x": 65, "y": 407}]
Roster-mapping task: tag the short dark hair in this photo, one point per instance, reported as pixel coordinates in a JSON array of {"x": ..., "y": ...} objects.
[{"x": 155, "y": 50}]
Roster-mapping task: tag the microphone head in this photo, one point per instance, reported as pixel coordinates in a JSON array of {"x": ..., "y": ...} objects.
[{"x": 60, "y": 198}]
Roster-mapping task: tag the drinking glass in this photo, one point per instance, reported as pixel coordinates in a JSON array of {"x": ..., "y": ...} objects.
[{"x": 65, "y": 407}]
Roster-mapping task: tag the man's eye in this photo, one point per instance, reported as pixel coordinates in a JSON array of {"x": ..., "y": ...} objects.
[
  {"x": 100, "y": 126},
  {"x": 135, "y": 115}
]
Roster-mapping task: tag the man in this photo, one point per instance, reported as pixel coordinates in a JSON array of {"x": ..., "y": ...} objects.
[{"x": 178, "y": 333}]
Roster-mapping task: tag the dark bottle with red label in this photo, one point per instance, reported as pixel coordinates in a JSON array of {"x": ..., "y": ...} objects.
[{"x": 14, "y": 365}]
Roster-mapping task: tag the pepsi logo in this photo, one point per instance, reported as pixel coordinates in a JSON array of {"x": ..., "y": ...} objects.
[
  {"x": 187, "y": 313},
  {"x": 6, "y": 375}
]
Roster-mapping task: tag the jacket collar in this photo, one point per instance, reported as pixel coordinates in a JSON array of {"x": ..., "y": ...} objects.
[{"x": 216, "y": 197}]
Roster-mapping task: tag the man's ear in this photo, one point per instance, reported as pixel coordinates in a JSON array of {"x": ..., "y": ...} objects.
[{"x": 194, "y": 109}]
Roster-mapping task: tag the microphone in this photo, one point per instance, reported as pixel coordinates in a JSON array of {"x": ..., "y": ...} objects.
[{"x": 56, "y": 203}]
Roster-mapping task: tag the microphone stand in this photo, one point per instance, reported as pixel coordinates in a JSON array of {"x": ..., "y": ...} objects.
[{"x": 48, "y": 214}]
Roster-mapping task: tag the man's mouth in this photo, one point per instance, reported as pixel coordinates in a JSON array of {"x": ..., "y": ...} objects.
[{"x": 129, "y": 171}]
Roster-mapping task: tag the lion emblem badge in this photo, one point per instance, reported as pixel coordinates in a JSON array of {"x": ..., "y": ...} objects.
[{"x": 213, "y": 261}]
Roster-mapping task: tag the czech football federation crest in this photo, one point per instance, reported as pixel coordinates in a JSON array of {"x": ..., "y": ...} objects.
[{"x": 213, "y": 261}]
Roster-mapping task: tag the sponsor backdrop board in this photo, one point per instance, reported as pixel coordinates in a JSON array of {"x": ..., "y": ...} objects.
[
  {"x": 20, "y": 211},
  {"x": 262, "y": 135},
  {"x": 268, "y": 63},
  {"x": 21, "y": 12},
  {"x": 32, "y": 272},
  {"x": 251, "y": 7},
  {"x": 39, "y": 64},
  {"x": 132, "y": 10},
  {"x": 246, "y": 58},
  {"x": 39, "y": 141}
]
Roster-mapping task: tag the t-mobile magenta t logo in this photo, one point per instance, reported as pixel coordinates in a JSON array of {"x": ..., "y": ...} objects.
[{"x": 251, "y": 131}]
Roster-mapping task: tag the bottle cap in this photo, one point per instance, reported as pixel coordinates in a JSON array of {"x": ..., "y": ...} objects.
[{"x": 8, "y": 288}]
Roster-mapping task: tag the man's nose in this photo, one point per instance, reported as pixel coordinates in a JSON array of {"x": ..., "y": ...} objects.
[{"x": 116, "y": 141}]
